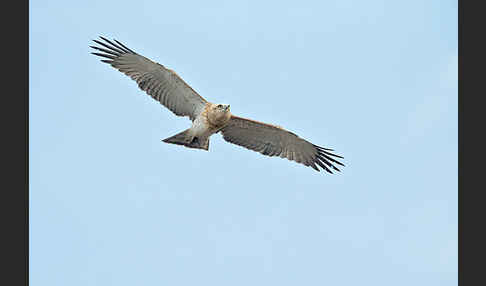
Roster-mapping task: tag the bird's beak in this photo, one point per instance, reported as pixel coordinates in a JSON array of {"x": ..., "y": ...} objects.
[{"x": 227, "y": 107}]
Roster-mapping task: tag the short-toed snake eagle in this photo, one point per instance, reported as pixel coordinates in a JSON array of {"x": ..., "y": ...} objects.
[{"x": 208, "y": 118}]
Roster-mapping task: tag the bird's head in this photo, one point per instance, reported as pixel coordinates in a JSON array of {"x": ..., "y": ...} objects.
[
  {"x": 219, "y": 114},
  {"x": 223, "y": 107}
]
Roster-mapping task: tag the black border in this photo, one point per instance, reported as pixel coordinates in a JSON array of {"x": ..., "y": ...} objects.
[
  {"x": 15, "y": 135},
  {"x": 470, "y": 121}
]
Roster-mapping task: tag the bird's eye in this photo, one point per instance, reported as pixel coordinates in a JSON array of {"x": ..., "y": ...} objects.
[{"x": 219, "y": 105}]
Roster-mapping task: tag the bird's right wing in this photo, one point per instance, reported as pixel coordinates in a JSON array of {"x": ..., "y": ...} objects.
[
  {"x": 272, "y": 140},
  {"x": 159, "y": 82}
]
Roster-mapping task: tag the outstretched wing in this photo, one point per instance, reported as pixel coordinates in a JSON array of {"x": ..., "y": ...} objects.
[
  {"x": 274, "y": 141},
  {"x": 159, "y": 82}
]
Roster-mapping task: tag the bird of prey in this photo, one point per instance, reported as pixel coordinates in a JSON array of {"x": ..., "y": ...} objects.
[{"x": 165, "y": 86}]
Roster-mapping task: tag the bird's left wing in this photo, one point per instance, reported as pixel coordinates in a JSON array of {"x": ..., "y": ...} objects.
[
  {"x": 159, "y": 82},
  {"x": 272, "y": 140}
]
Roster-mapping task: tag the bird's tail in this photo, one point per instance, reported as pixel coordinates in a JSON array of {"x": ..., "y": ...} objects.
[{"x": 186, "y": 139}]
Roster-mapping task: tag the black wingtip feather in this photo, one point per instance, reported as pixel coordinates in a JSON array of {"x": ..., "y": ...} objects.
[
  {"x": 118, "y": 46},
  {"x": 112, "y": 47},
  {"x": 326, "y": 151},
  {"x": 315, "y": 167},
  {"x": 104, "y": 50},
  {"x": 334, "y": 155},
  {"x": 322, "y": 148},
  {"x": 125, "y": 47},
  {"x": 330, "y": 159},
  {"x": 110, "y": 50},
  {"x": 323, "y": 166},
  {"x": 104, "y": 55},
  {"x": 323, "y": 158}
]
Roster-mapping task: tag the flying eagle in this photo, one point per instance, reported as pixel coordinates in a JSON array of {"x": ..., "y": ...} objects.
[{"x": 207, "y": 118}]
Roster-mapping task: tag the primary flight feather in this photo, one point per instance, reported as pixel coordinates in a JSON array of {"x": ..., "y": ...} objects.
[{"x": 208, "y": 118}]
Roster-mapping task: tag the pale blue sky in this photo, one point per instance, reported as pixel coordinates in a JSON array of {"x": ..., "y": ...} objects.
[{"x": 110, "y": 204}]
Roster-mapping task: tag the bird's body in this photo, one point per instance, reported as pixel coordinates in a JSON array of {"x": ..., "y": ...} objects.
[
  {"x": 208, "y": 122},
  {"x": 208, "y": 118}
]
